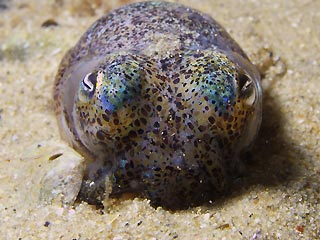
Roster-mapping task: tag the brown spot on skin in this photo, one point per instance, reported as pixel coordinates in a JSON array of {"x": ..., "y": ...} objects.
[
  {"x": 211, "y": 120},
  {"x": 190, "y": 125},
  {"x": 137, "y": 123},
  {"x": 101, "y": 135},
  {"x": 202, "y": 128},
  {"x": 176, "y": 81},
  {"x": 99, "y": 121},
  {"x": 132, "y": 134},
  {"x": 105, "y": 117},
  {"x": 144, "y": 112},
  {"x": 143, "y": 121}
]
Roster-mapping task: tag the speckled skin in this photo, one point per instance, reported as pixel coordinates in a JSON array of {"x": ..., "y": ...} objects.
[{"x": 161, "y": 100}]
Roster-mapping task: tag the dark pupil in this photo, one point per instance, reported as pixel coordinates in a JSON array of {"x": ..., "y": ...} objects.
[
  {"x": 242, "y": 80},
  {"x": 244, "y": 85},
  {"x": 93, "y": 79}
]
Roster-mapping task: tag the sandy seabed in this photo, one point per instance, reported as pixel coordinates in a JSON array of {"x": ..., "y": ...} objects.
[{"x": 278, "y": 197}]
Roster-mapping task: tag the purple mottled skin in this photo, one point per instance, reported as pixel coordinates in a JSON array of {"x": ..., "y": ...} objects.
[{"x": 161, "y": 100}]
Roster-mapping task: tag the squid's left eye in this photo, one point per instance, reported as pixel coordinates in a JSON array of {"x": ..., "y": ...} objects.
[{"x": 87, "y": 87}]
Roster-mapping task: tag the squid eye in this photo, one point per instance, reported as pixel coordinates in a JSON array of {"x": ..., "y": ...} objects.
[
  {"x": 87, "y": 87},
  {"x": 246, "y": 88},
  {"x": 89, "y": 82}
]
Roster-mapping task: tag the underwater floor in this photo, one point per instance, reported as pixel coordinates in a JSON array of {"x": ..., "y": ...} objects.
[{"x": 278, "y": 196}]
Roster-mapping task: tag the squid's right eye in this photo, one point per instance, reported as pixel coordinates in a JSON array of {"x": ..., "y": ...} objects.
[{"x": 87, "y": 87}]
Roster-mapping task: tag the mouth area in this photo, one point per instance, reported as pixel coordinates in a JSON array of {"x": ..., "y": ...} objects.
[{"x": 174, "y": 179}]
